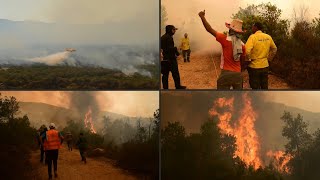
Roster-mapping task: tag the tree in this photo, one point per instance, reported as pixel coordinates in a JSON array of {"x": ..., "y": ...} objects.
[
  {"x": 308, "y": 169},
  {"x": 269, "y": 15},
  {"x": 17, "y": 140},
  {"x": 9, "y": 107},
  {"x": 173, "y": 133},
  {"x": 141, "y": 135},
  {"x": 164, "y": 18},
  {"x": 296, "y": 131},
  {"x": 156, "y": 127}
]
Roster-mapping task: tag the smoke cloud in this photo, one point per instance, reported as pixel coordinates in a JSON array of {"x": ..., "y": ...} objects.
[
  {"x": 124, "y": 58},
  {"x": 53, "y": 59},
  {"x": 111, "y": 34},
  {"x": 184, "y": 15},
  {"x": 128, "y": 103}
]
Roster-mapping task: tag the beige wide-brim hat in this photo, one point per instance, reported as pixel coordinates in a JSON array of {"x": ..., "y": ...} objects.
[{"x": 236, "y": 25}]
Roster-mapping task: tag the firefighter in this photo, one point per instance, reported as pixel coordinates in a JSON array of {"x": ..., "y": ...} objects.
[
  {"x": 185, "y": 48},
  {"x": 83, "y": 146},
  {"x": 260, "y": 50},
  {"x": 52, "y": 143},
  {"x": 42, "y": 149},
  {"x": 69, "y": 140}
]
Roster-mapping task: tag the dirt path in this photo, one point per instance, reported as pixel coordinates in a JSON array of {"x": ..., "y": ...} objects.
[
  {"x": 200, "y": 73},
  {"x": 71, "y": 167}
]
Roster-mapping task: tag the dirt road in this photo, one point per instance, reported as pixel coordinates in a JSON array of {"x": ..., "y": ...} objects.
[
  {"x": 71, "y": 167},
  {"x": 202, "y": 73}
]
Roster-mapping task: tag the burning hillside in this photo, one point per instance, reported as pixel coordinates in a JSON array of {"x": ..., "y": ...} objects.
[{"x": 248, "y": 143}]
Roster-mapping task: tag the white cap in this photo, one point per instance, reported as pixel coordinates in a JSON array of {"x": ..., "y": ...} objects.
[{"x": 52, "y": 125}]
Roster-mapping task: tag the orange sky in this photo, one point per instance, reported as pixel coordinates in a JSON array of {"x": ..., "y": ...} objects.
[{"x": 130, "y": 103}]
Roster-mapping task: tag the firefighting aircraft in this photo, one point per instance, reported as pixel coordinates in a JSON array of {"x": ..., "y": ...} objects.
[{"x": 70, "y": 49}]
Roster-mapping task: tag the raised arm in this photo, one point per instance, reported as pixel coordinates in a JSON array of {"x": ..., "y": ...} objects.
[{"x": 206, "y": 24}]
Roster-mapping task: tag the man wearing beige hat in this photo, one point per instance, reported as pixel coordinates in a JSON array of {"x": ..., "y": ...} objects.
[
  {"x": 233, "y": 52},
  {"x": 260, "y": 49}
]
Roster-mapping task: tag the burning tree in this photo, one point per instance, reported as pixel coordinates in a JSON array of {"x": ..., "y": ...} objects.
[
  {"x": 88, "y": 121},
  {"x": 247, "y": 141},
  {"x": 248, "y": 147}
]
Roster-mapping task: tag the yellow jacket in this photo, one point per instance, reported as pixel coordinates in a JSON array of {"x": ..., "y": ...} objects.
[
  {"x": 185, "y": 44},
  {"x": 259, "y": 48}
]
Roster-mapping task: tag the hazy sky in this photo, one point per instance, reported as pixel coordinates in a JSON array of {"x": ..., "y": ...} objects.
[
  {"x": 307, "y": 100},
  {"x": 120, "y": 21},
  {"x": 79, "y": 11},
  {"x": 186, "y": 10},
  {"x": 130, "y": 103}
]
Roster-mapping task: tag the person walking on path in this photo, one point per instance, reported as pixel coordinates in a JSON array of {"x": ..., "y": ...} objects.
[
  {"x": 82, "y": 144},
  {"x": 42, "y": 148},
  {"x": 52, "y": 143},
  {"x": 69, "y": 140}
]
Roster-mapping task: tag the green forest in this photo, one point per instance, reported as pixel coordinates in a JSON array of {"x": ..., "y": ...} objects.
[
  {"x": 138, "y": 152},
  {"x": 69, "y": 78},
  {"x": 210, "y": 154}
]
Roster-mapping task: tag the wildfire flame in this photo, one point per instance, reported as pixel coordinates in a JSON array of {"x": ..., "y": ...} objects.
[
  {"x": 281, "y": 160},
  {"x": 88, "y": 121},
  {"x": 247, "y": 140}
]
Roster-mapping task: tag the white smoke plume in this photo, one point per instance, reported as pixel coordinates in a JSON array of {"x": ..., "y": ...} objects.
[
  {"x": 127, "y": 59},
  {"x": 53, "y": 59}
]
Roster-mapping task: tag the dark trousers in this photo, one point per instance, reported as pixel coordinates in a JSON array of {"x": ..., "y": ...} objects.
[
  {"x": 83, "y": 155},
  {"x": 229, "y": 79},
  {"x": 186, "y": 55},
  {"x": 166, "y": 67},
  {"x": 42, "y": 154},
  {"x": 258, "y": 78},
  {"x": 69, "y": 145},
  {"x": 52, "y": 158}
]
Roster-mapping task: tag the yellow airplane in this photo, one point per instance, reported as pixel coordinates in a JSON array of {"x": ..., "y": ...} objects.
[{"x": 70, "y": 49}]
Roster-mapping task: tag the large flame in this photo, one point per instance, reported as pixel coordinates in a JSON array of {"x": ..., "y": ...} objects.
[
  {"x": 281, "y": 160},
  {"x": 88, "y": 121},
  {"x": 247, "y": 140}
]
